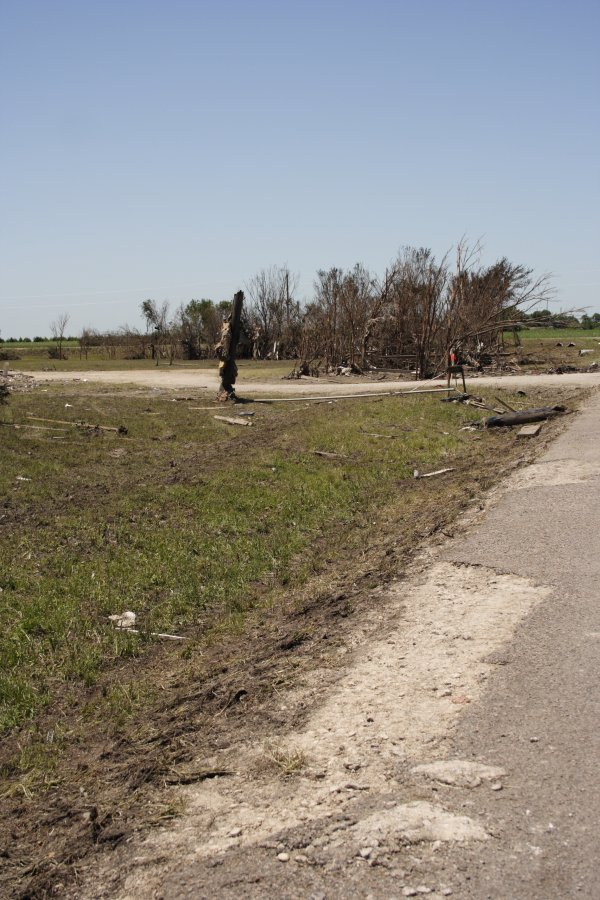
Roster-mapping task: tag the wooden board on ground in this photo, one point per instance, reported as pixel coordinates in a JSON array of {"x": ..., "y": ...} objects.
[{"x": 530, "y": 430}]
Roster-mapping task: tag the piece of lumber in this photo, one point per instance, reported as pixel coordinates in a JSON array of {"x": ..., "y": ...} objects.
[
  {"x": 300, "y": 399},
  {"x": 504, "y": 403},
  {"x": 375, "y": 434},
  {"x": 329, "y": 455},
  {"x": 525, "y": 416},
  {"x": 118, "y": 430},
  {"x": 418, "y": 474},
  {"x": 530, "y": 430},
  {"x": 35, "y": 427},
  {"x": 231, "y": 421}
]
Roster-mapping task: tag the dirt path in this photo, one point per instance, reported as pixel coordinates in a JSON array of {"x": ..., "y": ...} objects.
[
  {"x": 203, "y": 380},
  {"x": 345, "y": 806}
]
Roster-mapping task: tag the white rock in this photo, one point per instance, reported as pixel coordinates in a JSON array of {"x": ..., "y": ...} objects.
[
  {"x": 460, "y": 772},
  {"x": 283, "y": 857},
  {"x": 415, "y": 822}
]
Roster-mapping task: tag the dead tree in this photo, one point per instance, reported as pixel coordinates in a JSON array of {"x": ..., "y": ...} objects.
[{"x": 226, "y": 349}]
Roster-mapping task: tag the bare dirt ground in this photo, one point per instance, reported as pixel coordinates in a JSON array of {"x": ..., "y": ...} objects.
[
  {"x": 377, "y": 784},
  {"x": 174, "y": 378}
]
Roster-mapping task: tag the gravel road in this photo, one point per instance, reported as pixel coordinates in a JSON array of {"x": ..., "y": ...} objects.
[{"x": 199, "y": 379}]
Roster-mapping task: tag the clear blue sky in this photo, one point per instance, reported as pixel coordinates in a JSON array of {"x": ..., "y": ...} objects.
[{"x": 172, "y": 149}]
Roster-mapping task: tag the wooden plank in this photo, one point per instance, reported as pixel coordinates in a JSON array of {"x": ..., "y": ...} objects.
[
  {"x": 301, "y": 399},
  {"x": 529, "y": 430},
  {"x": 232, "y": 421}
]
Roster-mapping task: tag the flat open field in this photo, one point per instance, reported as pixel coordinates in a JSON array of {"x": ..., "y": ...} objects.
[{"x": 254, "y": 544}]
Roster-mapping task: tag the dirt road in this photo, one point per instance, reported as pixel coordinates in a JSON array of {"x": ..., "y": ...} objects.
[
  {"x": 197, "y": 380},
  {"x": 455, "y": 751}
]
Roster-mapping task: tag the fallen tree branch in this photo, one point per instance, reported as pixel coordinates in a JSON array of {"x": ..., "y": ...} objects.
[{"x": 525, "y": 416}]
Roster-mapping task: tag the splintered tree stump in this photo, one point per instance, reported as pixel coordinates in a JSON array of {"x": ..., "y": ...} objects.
[{"x": 227, "y": 346}]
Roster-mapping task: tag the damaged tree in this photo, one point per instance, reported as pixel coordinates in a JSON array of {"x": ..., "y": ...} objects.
[{"x": 226, "y": 348}]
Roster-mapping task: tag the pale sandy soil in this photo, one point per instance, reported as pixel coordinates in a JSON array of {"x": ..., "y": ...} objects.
[{"x": 178, "y": 379}]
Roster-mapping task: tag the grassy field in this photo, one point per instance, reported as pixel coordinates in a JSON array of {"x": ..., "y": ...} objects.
[
  {"x": 185, "y": 520},
  {"x": 245, "y": 541},
  {"x": 580, "y": 335},
  {"x": 34, "y": 357}
]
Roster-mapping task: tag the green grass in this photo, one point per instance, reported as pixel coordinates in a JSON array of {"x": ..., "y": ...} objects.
[
  {"x": 33, "y": 359},
  {"x": 186, "y": 521},
  {"x": 580, "y": 335}
]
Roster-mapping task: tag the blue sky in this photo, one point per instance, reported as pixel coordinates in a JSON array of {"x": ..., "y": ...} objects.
[{"x": 172, "y": 149}]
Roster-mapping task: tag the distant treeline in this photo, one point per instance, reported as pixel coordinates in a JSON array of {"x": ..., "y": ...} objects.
[{"x": 413, "y": 315}]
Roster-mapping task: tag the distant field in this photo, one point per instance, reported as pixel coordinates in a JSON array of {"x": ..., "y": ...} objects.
[
  {"x": 560, "y": 334},
  {"x": 34, "y": 359}
]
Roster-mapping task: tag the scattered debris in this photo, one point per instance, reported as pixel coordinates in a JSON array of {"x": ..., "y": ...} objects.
[
  {"x": 469, "y": 400},
  {"x": 168, "y": 436},
  {"x": 231, "y": 421},
  {"x": 194, "y": 777},
  {"x": 525, "y": 416},
  {"x": 585, "y": 352},
  {"x": 32, "y": 427},
  {"x": 418, "y": 474},
  {"x": 504, "y": 403},
  {"x": 374, "y": 434},
  {"x": 363, "y": 396},
  {"x": 126, "y": 620},
  {"x": 120, "y": 429},
  {"x": 529, "y": 431}
]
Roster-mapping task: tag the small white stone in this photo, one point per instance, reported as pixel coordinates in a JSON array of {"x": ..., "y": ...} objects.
[
  {"x": 283, "y": 857},
  {"x": 235, "y": 832},
  {"x": 365, "y": 852},
  {"x": 409, "y": 892},
  {"x": 496, "y": 786}
]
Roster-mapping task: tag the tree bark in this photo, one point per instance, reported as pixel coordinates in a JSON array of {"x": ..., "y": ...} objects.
[{"x": 228, "y": 345}]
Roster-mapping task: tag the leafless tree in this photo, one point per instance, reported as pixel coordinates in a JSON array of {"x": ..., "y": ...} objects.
[
  {"x": 273, "y": 312},
  {"x": 58, "y": 328}
]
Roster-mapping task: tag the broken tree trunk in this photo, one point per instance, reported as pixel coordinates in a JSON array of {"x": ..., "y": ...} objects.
[
  {"x": 228, "y": 345},
  {"x": 525, "y": 416}
]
